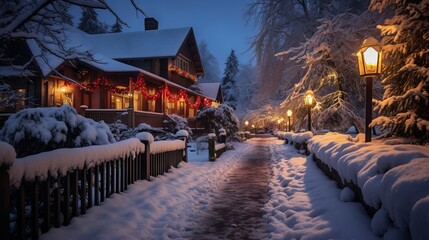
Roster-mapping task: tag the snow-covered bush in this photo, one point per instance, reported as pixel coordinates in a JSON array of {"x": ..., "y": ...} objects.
[
  {"x": 120, "y": 131},
  {"x": 220, "y": 117},
  {"x": 176, "y": 123},
  {"x": 36, "y": 130}
]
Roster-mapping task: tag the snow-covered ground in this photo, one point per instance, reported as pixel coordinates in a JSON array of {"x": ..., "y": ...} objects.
[{"x": 303, "y": 202}]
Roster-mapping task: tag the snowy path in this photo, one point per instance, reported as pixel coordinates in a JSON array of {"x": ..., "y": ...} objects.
[
  {"x": 236, "y": 212},
  {"x": 301, "y": 202}
]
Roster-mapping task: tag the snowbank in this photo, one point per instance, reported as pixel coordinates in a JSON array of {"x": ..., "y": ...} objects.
[
  {"x": 219, "y": 146},
  {"x": 392, "y": 177},
  {"x": 66, "y": 159}
]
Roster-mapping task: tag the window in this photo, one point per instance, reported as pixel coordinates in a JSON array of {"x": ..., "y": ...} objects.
[
  {"x": 151, "y": 104},
  {"x": 191, "y": 112},
  {"x": 67, "y": 98},
  {"x": 170, "y": 108},
  {"x": 182, "y": 63},
  {"x": 182, "y": 107},
  {"x": 138, "y": 100},
  {"x": 120, "y": 101}
]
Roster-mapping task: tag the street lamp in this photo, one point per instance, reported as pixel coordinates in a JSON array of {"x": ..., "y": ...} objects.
[
  {"x": 253, "y": 126},
  {"x": 246, "y": 123},
  {"x": 289, "y": 114},
  {"x": 278, "y": 124},
  {"x": 309, "y": 101},
  {"x": 369, "y": 61}
]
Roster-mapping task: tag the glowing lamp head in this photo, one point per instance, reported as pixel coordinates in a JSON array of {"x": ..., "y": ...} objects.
[
  {"x": 63, "y": 88},
  {"x": 253, "y": 126},
  {"x": 246, "y": 122},
  {"x": 369, "y": 57},
  {"x": 289, "y": 113},
  {"x": 278, "y": 121},
  {"x": 309, "y": 98}
]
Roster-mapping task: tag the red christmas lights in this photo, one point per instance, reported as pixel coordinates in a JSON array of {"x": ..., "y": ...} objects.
[{"x": 182, "y": 73}]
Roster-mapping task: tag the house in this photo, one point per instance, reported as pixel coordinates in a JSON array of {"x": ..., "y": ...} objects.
[
  {"x": 131, "y": 76},
  {"x": 212, "y": 91}
]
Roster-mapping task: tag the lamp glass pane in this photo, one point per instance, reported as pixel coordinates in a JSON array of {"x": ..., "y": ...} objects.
[{"x": 370, "y": 55}]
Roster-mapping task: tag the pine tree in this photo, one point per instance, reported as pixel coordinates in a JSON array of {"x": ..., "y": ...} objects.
[
  {"x": 229, "y": 86},
  {"x": 405, "y": 43},
  {"x": 117, "y": 27},
  {"x": 89, "y": 22}
]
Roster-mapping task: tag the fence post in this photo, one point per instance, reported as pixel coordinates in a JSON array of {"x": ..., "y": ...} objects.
[
  {"x": 212, "y": 150},
  {"x": 4, "y": 202},
  {"x": 146, "y": 161},
  {"x": 185, "y": 139},
  {"x": 83, "y": 110},
  {"x": 130, "y": 117},
  {"x": 183, "y": 135},
  {"x": 222, "y": 135}
]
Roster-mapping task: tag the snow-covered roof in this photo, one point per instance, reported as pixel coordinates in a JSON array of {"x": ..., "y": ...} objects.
[
  {"x": 141, "y": 44},
  {"x": 10, "y": 71},
  {"x": 105, "y": 48},
  {"x": 107, "y": 64},
  {"x": 210, "y": 90}
]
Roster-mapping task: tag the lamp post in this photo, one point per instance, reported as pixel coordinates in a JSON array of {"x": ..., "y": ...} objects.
[
  {"x": 289, "y": 114},
  {"x": 369, "y": 61},
  {"x": 278, "y": 124},
  {"x": 309, "y": 102},
  {"x": 246, "y": 123},
  {"x": 253, "y": 126}
]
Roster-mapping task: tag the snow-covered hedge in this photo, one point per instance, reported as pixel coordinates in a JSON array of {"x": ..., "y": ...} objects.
[
  {"x": 176, "y": 123},
  {"x": 36, "y": 130},
  {"x": 393, "y": 179},
  {"x": 298, "y": 137},
  {"x": 7, "y": 155},
  {"x": 66, "y": 159}
]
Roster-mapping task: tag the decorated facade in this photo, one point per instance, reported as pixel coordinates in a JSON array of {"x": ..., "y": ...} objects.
[{"x": 132, "y": 76}]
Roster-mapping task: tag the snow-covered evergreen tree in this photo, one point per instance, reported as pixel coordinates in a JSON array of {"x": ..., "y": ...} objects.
[
  {"x": 284, "y": 24},
  {"x": 210, "y": 63},
  {"x": 405, "y": 43},
  {"x": 247, "y": 84},
  {"x": 117, "y": 27},
  {"x": 9, "y": 98},
  {"x": 219, "y": 117},
  {"x": 229, "y": 85},
  {"x": 330, "y": 71},
  {"x": 89, "y": 22}
]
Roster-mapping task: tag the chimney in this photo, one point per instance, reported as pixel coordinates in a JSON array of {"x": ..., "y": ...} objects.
[{"x": 150, "y": 24}]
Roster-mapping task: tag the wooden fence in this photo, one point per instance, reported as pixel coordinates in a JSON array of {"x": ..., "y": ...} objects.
[{"x": 40, "y": 205}]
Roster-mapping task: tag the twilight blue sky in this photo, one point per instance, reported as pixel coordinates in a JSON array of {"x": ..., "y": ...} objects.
[{"x": 221, "y": 23}]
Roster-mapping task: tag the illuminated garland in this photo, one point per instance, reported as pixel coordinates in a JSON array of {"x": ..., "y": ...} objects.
[
  {"x": 182, "y": 95},
  {"x": 104, "y": 82},
  {"x": 207, "y": 102},
  {"x": 182, "y": 73},
  {"x": 140, "y": 85}
]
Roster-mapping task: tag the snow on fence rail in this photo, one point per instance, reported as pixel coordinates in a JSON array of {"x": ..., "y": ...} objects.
[
  {"x": 392, "y": 180},
  {"x": 62, "y": 184}
]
